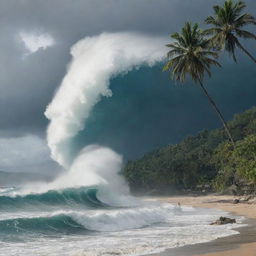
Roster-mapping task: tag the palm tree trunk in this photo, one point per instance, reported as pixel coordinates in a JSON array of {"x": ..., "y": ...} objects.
[
  {"x": 218, "y": 112},
  {"x": 245, "y": 51}
]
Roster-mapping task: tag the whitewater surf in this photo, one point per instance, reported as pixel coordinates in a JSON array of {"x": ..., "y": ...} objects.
[
  {"x": 76, "y": 222},
  {"x": 88, "y": 210}
]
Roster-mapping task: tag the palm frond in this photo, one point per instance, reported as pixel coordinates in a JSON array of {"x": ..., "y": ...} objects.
[
  {"x": 173, "y": 62},
  {"x": 174, "y": 53},
  {"x": 245, "y": 19},
  {"x": 210, "y": 53},
  {"x": 180, "y": 40},
  {"x": 230, "y": 46},
  {"x": 211, "y": 20},
  {"x": 227, "y": 23},
  {"x": 212, "y": 62},
  {"x": 176, "y": 46},
  {"x": 245, "y": 34},
  {"x": 191, "y": 54},
  {"x": 212, "y": 31},
  {"x": 238, "y": 7},
  {"x": 216, "y": 9}
]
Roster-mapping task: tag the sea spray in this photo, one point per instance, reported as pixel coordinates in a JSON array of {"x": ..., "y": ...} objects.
[
  {"x": 88, "y": 210},
  {"x": 95, "y": 173},
  {"x": 93, "y": 166},
  {"x": 95, "y": 60},
  {"x": 97, "y": 167}
]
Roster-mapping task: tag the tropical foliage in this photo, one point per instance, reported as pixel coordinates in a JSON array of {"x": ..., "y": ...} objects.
[
  {"x": 237, "y": 164},
  {"x": 202, "y": 159},
  {"x": 207, "y": 158},
  {"x": 228, "y": 24},
  {"x": 192, "y": 55}
]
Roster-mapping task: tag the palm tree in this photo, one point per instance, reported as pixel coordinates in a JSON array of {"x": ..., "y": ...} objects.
[
  {"x": 192, "y": 55},
  {"x": 227, "y": 26}
]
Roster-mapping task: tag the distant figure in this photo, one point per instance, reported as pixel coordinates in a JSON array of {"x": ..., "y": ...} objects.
[{"x": 177, "y": 209}]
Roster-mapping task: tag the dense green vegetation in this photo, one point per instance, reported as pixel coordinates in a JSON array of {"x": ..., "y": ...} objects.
[
  {"x": 207, "y": 158},
  {"x": 194, "y": 51},
  {"x": 235, "y": 165}
]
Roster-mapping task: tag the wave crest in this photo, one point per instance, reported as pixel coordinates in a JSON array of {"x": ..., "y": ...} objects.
[
  {"x": 71, "y": 197},
  {"x": 100, "y": 220},
  {"x": 95, "y": 60}
]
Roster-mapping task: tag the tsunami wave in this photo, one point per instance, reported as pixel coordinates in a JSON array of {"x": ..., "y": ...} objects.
[
  {"x": 95, "y": 60},
  {"x": 92, "y": 179},
  {"x": 96, "y": 167},
  {"x": 88, "y": 209}
]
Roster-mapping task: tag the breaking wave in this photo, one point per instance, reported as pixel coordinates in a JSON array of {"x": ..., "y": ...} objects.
[
  {"x": 89, "y": 206},
  {"x": 95, "y": 60},
  {"x": 86, "y": 197}
]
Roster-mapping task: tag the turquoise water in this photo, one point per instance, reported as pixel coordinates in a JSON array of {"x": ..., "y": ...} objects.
[
  {"x": 148, "y": 110},
  {"x": 88, "y": 211},
  {"x": 76, "y": 221},
  {"x": 37, "y": 223}
]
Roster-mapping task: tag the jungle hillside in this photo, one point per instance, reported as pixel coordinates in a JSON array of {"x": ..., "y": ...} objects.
[{"x": 204, "y": 162}]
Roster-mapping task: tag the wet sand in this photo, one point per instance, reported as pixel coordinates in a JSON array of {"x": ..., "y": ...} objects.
[{"x": 243, "y": 244}]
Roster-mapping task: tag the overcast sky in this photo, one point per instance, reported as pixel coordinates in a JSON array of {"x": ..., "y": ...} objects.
[{"x": 35, "y": 39}]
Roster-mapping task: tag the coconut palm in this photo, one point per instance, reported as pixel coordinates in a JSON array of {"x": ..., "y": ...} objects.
[
  {"x": 228, "y": 25},
  {"x": 191, "y": 55}
]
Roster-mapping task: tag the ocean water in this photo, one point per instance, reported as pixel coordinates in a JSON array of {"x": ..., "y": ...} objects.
[
  {"x": 80, "y": 221},
  {"x": 88, "y": 210}
]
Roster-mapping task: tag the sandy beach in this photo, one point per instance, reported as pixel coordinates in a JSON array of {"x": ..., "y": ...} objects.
[{"x": 243, "y": 244}]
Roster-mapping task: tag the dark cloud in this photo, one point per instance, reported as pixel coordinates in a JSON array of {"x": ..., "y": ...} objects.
[
  {"x": 25, "y": 154},
  {"x": 28, "y": 82},
  {"x": 147, "y": 110}
]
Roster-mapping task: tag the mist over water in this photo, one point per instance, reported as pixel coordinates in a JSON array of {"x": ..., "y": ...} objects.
[
  {"x": 88, "y": 210},
  {"x": 148, "y": 110},
  {"x": 95, "y": 61},
  {"x": 95, "y": 167}
]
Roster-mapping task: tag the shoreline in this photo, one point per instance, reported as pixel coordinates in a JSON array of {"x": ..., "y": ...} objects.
[{"x": 242, "y": 244}]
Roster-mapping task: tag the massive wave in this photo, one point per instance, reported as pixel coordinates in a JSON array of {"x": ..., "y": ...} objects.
[
  {"x": 95, "y": 60},
  {"x": 91, "y": 201}
]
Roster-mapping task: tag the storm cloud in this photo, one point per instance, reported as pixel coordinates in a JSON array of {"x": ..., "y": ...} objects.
[{"x": 29, "y": 78}]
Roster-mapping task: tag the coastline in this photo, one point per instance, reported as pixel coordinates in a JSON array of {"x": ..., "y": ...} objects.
[{"x": 243, "y": 244}]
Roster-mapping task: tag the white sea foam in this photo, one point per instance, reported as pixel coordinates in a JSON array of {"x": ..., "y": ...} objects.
[
  {"x": 125, "y": 219},
  {"x": 95, "y": 166},
  {"x": 138, "y": 231},
  {"x": 143, "y": 227},
  {"x": 95, "y": 60}
]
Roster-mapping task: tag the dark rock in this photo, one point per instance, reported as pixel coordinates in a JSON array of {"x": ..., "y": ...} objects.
[
  {"x": 223, "y": 221},
  {"x": 236, "y": 201}
]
